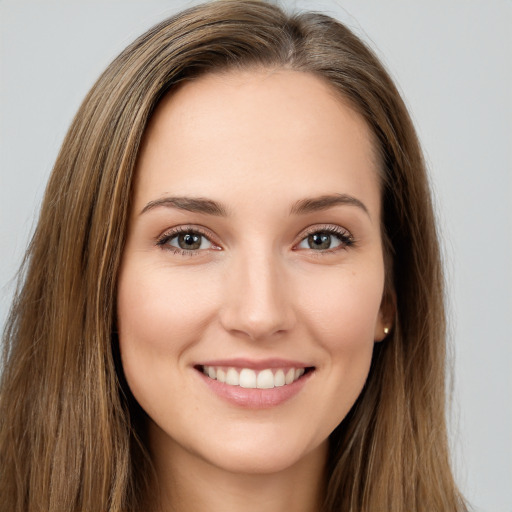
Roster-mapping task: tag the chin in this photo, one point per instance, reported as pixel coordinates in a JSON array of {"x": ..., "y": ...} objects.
[{"x": 259, "y": 458}]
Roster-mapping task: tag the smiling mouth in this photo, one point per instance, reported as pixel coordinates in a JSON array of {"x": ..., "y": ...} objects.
[{"x": 254, "y": 379}]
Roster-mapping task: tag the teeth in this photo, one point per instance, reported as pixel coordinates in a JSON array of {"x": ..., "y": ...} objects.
[
  {"x": 279, "y": 379},
  {"x": 247, "y": 378},
  {"x": 265, "y": 379},
  {"x": 221, "y": 375},
  {"x": 250, "y": 379},
  {"x": 232, "y": 377}
]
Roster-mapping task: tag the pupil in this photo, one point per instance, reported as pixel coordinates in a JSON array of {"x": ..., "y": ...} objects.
[
  {"x": 319, "y": 241},
  {"x": 189, "y": 241}
]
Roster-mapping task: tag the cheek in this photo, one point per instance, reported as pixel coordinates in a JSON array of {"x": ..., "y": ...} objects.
[
  {"x": 342, "y": 313},
  {"x": 162, "y": 311},
  {"x": 159, "y": 316},
  {"x": 343, "y": 307}
]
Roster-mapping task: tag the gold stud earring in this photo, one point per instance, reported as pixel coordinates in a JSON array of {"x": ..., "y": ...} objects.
[{"x": 386, "y": 330}]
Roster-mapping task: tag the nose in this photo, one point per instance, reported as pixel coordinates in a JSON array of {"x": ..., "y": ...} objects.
[{"x": 256, "y": 302}]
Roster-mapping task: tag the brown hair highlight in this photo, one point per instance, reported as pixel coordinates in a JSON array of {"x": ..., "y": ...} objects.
[{"x": 71, "y": 435}]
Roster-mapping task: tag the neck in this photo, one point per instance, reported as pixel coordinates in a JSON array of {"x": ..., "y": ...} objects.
[{"x": 187, "y": 482}]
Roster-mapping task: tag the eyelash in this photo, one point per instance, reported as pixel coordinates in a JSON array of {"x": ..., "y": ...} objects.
[
  {"x": 163, "y": 240},
  {"x": 344, "y": 236}
]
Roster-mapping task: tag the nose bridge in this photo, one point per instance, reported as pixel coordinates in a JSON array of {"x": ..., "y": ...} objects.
[{"x": 257, "y": 297}]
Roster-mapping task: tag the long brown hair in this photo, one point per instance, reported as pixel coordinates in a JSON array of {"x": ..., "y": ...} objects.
[{"x": 70, "y": 432}]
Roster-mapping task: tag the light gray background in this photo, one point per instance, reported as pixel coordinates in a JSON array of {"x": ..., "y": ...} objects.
[{"x": 452, "y": 60}]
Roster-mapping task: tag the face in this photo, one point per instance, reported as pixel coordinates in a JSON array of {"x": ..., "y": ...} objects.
[{"x": 249, "y": 297}]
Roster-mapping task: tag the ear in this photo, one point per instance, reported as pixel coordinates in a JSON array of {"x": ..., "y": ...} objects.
[{"x": 386, "y": 317}]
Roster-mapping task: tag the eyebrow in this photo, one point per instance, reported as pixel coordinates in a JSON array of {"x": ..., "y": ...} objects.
[
  {"x": 191, "y": 204},
  {"x": 310, "y": 205},
  {"x": 210, "y": 207}
]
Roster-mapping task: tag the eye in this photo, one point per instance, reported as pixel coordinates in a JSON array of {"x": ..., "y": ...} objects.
[
  {"x": 326, "y": 239},
  {"x": 186, "y": 241},
  {"x": 189, "y": 241}
]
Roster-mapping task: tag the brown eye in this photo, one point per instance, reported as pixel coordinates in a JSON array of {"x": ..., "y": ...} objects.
[
  {"x": 188, "y": 241},
  {"x": 327, "y": 239},
  {"x": 319, "y": 241}
]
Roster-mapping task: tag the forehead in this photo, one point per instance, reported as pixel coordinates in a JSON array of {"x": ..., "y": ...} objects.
[{"x": 254, "y": 130}]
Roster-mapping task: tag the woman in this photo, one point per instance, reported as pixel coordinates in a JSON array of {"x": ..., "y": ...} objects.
[{"x": 233, "y": 297}]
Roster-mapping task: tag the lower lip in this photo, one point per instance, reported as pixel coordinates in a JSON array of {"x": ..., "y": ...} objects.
[{"x": 255, "y": 398}]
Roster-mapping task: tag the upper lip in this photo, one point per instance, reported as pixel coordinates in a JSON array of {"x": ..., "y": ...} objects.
[{"x": 260, "y": 364}]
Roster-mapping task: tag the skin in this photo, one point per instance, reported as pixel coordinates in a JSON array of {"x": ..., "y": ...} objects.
[{"x": 257, "y": 142}]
